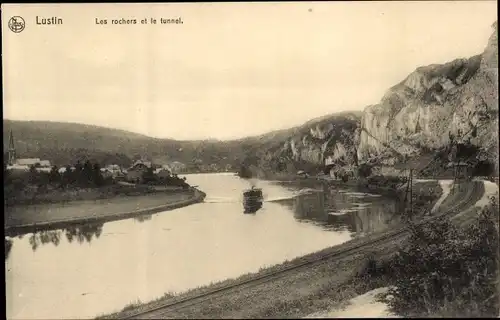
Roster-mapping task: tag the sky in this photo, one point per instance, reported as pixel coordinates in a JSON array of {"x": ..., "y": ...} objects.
[{"x": 230, "y": 69}]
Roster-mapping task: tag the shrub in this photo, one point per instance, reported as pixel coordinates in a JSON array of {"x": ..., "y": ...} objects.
[
  {"x": 370, "y": 267},
  {"x": 448, "y": 271}
]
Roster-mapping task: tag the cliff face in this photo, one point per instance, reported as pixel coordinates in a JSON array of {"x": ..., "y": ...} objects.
[
  {"x": 434, "y": 104},
  {"x": 414, "y": 119},
  {"x": 306, "y": 147},
  {"x": 333, "y": 138}
]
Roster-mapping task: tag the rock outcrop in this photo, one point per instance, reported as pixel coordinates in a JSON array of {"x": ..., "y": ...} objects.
[
  {"x": 436, "y": 103},
  {"x": 414, "y": 119},
  {"x": 329, "y": 139}
]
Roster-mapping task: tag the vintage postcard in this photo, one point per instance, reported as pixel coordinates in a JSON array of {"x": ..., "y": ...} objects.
[{"x": 250, "y": 160}]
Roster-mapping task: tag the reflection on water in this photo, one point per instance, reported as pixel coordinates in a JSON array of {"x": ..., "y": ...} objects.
[
  {"x": 142, "y": 258},
  {"x": 84, "y": 232},
  {"x": 78, "y": 233},
  {"x": 336, "y": 211},
  {"x": 253, "y": 207},
  {"x": 142, "y": 218},
  {"x": 8, "y": 246}
]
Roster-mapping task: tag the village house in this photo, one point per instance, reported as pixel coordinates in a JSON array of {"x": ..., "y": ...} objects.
[
  {"x": 106, "y": 173},
  {"x": 136, "y": 171},
  {"x": 113, "y": 170},
  {"x": 63, "y": 169},
  {"x": 177, "y": 167},
  {"x": 163, "y": 172}
]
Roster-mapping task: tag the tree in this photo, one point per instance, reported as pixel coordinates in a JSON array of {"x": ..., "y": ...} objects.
[
  {"x": 148, "y": 175},
  {"x": 33, "y": 175},
  {"x": 87, "y": 173},
  {"x": 54, "y": 175},
  {"x": 77, "y": 174},
  {"x": 68, "y": 176},
  {"x": 97, "y": 178}
]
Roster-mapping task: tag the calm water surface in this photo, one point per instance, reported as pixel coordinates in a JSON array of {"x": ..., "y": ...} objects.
[{"x": 86, "y": 271}]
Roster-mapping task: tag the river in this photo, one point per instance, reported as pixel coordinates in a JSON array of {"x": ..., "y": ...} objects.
[{"x": 100, "y": 268}]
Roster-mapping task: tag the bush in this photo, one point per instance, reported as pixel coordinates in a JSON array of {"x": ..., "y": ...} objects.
[
  {"x": 448, "y": 271},
  {"x": 370, "y": 267}
]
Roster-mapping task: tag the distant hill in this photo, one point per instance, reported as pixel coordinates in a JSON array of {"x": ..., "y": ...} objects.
[{"x": 65, "y": 142}]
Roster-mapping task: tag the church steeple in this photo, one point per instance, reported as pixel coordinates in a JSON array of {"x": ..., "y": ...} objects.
[{"x": 12, "y": 149}]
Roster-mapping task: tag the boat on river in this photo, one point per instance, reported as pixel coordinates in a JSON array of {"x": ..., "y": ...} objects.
[{"x": 252, "y": 200}]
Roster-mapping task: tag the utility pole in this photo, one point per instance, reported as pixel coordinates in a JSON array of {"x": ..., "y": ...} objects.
[
  {"x": 407, "y": 191},
  {"x": 411, "y": 193}
]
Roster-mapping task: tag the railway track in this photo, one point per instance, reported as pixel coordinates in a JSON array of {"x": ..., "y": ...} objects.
[{"x": 472, "y": 195}]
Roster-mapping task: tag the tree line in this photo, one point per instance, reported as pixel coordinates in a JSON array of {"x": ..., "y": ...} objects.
[{"x": 85, "y": 175}]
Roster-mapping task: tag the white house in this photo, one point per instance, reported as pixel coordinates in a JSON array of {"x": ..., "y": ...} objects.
[{"x": 176, "y": 167}]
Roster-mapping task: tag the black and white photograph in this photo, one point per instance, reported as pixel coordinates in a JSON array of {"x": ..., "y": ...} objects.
[{"x": 251, "y": 160}]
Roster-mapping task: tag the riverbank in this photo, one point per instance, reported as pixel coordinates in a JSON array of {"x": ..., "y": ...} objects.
[
  {"x": 395, "y": 190},
  {"x": 49, "y": 194},
  {"x": 31, "y": 218},
  {"x": 317, "y": 287}
]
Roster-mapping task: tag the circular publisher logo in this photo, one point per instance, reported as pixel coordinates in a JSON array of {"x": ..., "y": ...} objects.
[{"x": 16, "y": 24}]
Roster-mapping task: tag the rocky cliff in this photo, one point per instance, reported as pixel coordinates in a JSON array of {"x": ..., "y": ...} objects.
[
  {"x": 436, "y": 103},
  {"x": 332, "y": 138},
  {"x": 415, "y": 119}
]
